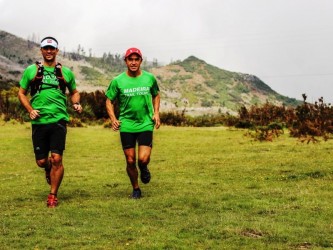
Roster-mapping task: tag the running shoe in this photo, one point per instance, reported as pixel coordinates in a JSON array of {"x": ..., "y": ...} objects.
[
  {"x": 145, "y": 175},
  {"x": 136, "y": 194},
  {"x": 52, "y": 201}
]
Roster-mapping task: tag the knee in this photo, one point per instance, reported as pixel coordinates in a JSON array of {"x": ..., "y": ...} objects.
[
  {"x": 143, "y": 161},
  {"x": 130, "y": 161},
  {"x": 56, "y": 160},
  {"x": 42, "y": 163}
]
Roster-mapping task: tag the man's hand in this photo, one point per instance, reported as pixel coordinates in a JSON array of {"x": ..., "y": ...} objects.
[
  {"x": 77, "y": 107},
  {"x": 34, "y": 114},
  {"x": 115, "y": 124},
  {"x": 157, "y": 121}
]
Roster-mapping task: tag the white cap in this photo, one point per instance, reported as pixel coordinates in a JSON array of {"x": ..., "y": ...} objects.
[{"x": 49, "y": 42}]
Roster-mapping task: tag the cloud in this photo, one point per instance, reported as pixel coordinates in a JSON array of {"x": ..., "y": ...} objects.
[{"x": 285, "y": 43}]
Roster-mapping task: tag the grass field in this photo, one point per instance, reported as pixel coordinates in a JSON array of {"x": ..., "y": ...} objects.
[{"x": 211, "y": 188}]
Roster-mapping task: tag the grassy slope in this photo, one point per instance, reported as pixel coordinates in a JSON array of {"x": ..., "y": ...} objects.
[{"x": 211, "y": 188}]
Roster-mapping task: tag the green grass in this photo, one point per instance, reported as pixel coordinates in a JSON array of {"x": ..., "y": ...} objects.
[{"x": 211, "y": 188}]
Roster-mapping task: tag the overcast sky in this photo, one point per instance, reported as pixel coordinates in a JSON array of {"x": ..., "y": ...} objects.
[{"x": 286, "y": 43}]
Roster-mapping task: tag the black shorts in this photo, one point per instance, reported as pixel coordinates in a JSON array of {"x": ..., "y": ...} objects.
[
  {"x": 49, "y": 137},
  {"x": 129, "y": 140}
]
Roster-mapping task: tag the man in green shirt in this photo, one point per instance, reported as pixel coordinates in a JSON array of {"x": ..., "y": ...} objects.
[
  {"x": 138, "y": 97},
  {"x": 48, "y": 111}
]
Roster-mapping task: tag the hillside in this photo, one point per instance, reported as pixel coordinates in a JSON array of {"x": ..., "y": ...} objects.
[
  {"x": 205, "y": 88},
  {"x": 192, "y": 84},
  {"x": 17, "y": 53}
]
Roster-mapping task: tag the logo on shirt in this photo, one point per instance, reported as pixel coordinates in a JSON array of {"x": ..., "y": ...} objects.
[
  {"x": 136, "y": 91},
  {"x": 50, "y": 78}
]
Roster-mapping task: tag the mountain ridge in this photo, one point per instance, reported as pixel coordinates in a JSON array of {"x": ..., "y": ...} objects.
[{"x": 191, "y": 84}]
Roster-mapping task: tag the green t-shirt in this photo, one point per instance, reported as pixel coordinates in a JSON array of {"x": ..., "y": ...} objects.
[
  {"x": 135, "y": 100},
  {"x": 51, "y": 103}
]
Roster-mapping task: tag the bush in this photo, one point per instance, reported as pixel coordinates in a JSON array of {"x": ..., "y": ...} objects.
[{"x": 312, "y": 120}]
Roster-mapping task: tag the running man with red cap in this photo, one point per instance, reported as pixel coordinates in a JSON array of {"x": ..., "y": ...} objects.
[
  {"x": 47, "y": 109},
  {"x": 137, "y": 94}
]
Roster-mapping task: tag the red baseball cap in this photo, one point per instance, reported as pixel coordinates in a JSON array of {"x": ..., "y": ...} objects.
[{"x": 131, "y": 51}]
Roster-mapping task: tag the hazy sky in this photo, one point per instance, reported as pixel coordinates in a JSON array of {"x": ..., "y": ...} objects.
[{"x": 286, "y": 43}]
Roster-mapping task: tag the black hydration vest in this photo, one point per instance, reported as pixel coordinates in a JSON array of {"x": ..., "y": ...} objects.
[{"x": 37, "y": 85}]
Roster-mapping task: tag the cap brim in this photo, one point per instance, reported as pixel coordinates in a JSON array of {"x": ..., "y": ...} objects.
[
  {"x": 49, "y": 46},
  {"x": 132, "y": 54}
]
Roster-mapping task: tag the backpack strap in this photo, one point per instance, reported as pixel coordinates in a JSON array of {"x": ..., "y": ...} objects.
[
  {"x": 60, "y": 77},
  {"x": 36, "y": 83}
]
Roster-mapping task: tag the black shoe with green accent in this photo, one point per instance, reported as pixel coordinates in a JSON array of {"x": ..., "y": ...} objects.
[{"x": 136, "y": 194}]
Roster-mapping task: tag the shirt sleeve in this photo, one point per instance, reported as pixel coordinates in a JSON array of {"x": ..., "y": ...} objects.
[
  {"x": 70, "y": 78},
  {"x": 112, "y": 91},
  {"x": 154, "y": 89},
  {"x": 28, "y": 75}
]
